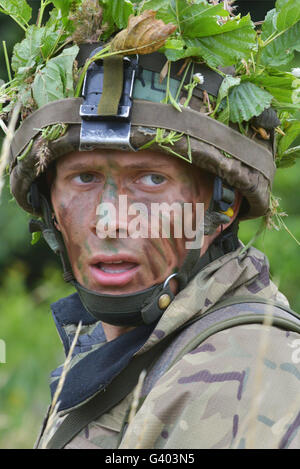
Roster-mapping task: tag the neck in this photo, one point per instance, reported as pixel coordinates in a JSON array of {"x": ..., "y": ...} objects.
[{"x": 112, "y": 332}]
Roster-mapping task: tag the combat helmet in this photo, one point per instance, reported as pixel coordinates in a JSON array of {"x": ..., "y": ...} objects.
[{"x": 152, "y": 86}]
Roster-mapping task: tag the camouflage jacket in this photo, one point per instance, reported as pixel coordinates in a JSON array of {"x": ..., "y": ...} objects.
[{"x": 239, "y": 388}]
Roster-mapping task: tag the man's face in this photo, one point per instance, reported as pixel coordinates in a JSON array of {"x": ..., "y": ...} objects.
[{"x": 123, "y": 264}]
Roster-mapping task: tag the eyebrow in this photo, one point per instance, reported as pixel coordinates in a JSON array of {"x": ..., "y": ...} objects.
[
  {"x": 91, "y": 166},
  {"x": 143, "y": 165}
]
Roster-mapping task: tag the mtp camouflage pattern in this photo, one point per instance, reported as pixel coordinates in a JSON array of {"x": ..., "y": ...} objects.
[{"x": 238, "y": 389}]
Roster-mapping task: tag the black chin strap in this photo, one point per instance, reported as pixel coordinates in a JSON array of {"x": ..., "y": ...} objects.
[{"x": 147, "y": 305}]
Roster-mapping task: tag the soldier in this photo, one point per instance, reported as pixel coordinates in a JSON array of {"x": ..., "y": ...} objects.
[{"x": 200, "y": 314}]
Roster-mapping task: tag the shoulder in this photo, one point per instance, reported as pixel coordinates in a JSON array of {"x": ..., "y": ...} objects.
[{"x": 244, "y": 377}]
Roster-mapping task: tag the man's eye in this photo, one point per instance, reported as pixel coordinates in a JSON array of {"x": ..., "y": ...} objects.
[
  {"x": 85, "y": 178},
  {"x": 152, "y": 179}
]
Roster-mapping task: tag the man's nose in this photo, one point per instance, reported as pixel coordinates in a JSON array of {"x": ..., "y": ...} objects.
[
  {"x": 112, "y": 219},
  {"x": 110, "y": 191}
]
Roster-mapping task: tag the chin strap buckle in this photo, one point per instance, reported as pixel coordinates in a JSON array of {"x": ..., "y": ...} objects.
[{"x": 158, "y": 302}]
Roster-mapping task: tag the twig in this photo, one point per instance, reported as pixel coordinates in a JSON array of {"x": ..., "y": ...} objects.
[
  {"x": 136, "y": 396},
  {"x": 206, "y": 100},
  {"x": 3, "y": 126},
  {"x": 6, "y": 60},
  {"x": 134, "y": 405},
  {"x": 55, "y": 403},
  {"x": 4, "y": 157}
]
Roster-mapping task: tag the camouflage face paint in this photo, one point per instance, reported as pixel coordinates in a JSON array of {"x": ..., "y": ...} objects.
[{"x": 83, "y": 179}]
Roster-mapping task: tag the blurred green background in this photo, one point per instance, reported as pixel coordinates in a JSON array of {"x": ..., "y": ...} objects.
[{"x": 30, "y": 279}]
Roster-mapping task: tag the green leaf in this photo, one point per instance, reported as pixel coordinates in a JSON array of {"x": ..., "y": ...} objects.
[
  {"x": 288, "y": 158},
  {"x": 224, "y": 115},
  {"x": 194, "y": 19},
  {"x": 48, "y": 84},
  {"x": 286, "y": 162},
  {"x": 166, "y": 10},
  {"x": 35, "y": 237},
  {"x": 292, "y": 131},
  {"x": 281, "y": 3},
  {"x": 19, "y": 10},
  {"x": 288, "y": 14},
  {"x": 153, "y": 5},
  {"x": 65, "y": 61},
  {"x": 27, "y": 53},
  {"x": 177, "y": 44},
  {"x": 210, "y": 23},
  {"x": 177, "y": 54},
  {"x": 55, "y": 80},
  {"x": 294, "y": 151},
  {"x": 63, "y": 6},
  {"x": 117, "y": 12},
  {"x": 227, "y": 48},
  {"x": 228, "y": 82},
  {"x": 280, "y": 51},
  {"x": 283, "y": 86},
  {"x": 269, "y": 24},
  {"x": 48, "y": 42},
  {"x": 200, "y": 20},
  {"x": 246, "y": 101}
]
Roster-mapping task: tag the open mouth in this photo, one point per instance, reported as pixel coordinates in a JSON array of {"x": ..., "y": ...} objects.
[
  {"x": 114, "y": 272},
  {"x": 116, "y": 267}
]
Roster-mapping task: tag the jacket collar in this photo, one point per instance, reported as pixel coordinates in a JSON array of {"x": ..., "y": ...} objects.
[{"x": 95, "y": 362}]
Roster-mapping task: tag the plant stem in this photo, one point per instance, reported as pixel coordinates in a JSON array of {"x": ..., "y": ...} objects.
[
  {"x": 44, "y": 4},
  {"x": 279, "y": 218},
  {"x": 270, "y": 39},
  {"x": 168, "y": 82},
  {"x": 174, "y": 153},
  {"x": 62, "y": 46},
  {"x": 177, "y": 17},
  {"x": 99, "y": 55},
  {"x": 182, "y": 81},
  {"x": 7, "y": 61}
]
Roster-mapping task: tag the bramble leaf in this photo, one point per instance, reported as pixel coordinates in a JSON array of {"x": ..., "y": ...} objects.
[
  {"x": 246, "y": 101},
  {"x": 291, "y": 131},
  {"x": 55, "y": 80},
  {"x": 294, "y": 151},
  {"x": 269, "y": 24},
  {"x": 283, "y": 86},
  {"x": 48, "y": 84},
  {"x": 288, "y": 158},
  {"x": 27, "y": 52},
  {"x": 48, "y": 42},
  {"x": 19, "y": 10},
  {"x": 288, "y": 14},
  {"x": 226, "y": 48},
  {"x": 117, "y": 12},
  {"x": 63, "y": 6},
  {"x": 228, "y": 82},
  {"x": 280, "y": 51},
  {"x": 224, "y": 115}
]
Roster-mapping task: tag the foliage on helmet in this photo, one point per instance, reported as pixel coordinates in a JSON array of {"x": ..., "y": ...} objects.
[{"x": 44, "y": 63}]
